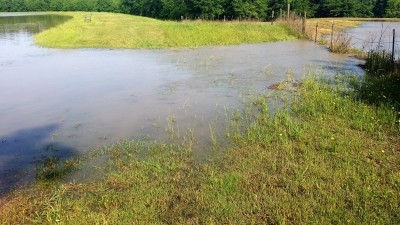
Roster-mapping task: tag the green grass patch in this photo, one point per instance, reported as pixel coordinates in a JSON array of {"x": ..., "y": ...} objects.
[
  {"x": 110, "y": 30},
  {"x": 329, "y": 156}
]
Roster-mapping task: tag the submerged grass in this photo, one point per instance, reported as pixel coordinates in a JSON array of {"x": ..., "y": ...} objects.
[
  {"x": 111, "y": 30},
  {"x": 327, "y": 157}
]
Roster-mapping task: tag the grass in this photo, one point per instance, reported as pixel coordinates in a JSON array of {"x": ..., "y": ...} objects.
[
  {"x": 110, "y": 30},
  {"x": 379, "y": 63},
  {"x": 325, "y": 24},
  {"x": 329, "y": 156}
]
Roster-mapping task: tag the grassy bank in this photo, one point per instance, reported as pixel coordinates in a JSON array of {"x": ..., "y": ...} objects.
[
  {"x": 110, "y": 30},
  {"x": 328, "y": 157}
]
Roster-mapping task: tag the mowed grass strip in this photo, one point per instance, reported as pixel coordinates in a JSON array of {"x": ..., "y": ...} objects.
[
  {"x": 110, "y": 30},
  {"x": 326, "y": 158}
]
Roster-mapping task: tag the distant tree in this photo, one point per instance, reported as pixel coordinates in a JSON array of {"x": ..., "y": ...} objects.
[
  {"x": 151, "y": 8},
  {"x": 336, "y": 8},
  {"x": 104, "y": 6},
  {"x": 393, "y": 8},
  {"x": 380, "y": 8},
  {"x": 365, "y": 8},
  {"x": 208, "y": 9},
  {"x": 302, "y": 6},
  {"x": 37, "y": 5},
  {"x": 16, "y": 6},
  {"x": 214, "y": 9},
  {"x": 173, "y": 9},
  {"x": 130, "y": 7},
  {"x": 250, "y": 8},
  {"x": 3, "y": 6},
  {"x": 56, "y": 5},
  {"x": 277, "y": 5},
  {"x": 86, "y": 5}
]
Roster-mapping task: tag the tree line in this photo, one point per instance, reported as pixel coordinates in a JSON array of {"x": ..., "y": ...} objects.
[{"x": 214, "y": 9}]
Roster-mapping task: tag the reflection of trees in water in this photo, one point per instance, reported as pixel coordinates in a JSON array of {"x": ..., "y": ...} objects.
[
  {"x": 22, "y": 151},
  {"x": 31, "y": 24}
]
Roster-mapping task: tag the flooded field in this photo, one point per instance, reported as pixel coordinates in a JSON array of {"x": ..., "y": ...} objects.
[
  {"x": 376, "y": 36},
  {"x": 67, "y": 102}
]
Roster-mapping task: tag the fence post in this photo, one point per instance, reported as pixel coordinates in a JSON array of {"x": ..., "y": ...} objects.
[
  {"x": 394, "y": 41},
  {"x": 288, "y": 11},
  {"x": 333, "y": 23},
  {"x": 304, "y": 23},
  {"x": 316, "y": 31},
  {"x": 273, "y": 15}
]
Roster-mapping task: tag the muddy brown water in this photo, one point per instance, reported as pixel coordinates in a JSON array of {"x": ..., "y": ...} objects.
[{"x": 67, "y": 102}]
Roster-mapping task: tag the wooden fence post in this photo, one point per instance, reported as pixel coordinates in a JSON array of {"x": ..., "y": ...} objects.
[
  {"x": 273, "y": 15},
  {"x": 316, "y": 31},
  {"x": 394, "y": 41},
  {"x": 333, "y": 23},
  {"x": 304, "y": 23}
]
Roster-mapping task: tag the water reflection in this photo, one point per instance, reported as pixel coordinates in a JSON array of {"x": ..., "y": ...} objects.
[
  {"x": 30, "y": 24},
  {"x": 22, "y": 149}
]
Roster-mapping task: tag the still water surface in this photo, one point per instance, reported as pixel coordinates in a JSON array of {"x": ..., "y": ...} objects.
[
  {"x": 66, "y": 102},
  {"x": 377, "y": 36}
]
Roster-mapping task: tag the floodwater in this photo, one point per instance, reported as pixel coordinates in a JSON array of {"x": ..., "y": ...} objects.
[
  {"x": 376, "y": 36},
  {"x": 66, "y": 102}
]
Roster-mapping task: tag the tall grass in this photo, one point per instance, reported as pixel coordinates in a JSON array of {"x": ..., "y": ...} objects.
[
  {"x": 341, "y": 43},
  {"x": 380, "y": 63},
  {"x": 328, "y": 156}
]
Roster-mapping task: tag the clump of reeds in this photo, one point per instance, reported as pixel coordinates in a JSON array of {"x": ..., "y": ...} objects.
[{"x": 341, "y": 43}]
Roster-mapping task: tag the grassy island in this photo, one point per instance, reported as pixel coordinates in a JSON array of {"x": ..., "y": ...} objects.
[{"x": 111, "y": 30}]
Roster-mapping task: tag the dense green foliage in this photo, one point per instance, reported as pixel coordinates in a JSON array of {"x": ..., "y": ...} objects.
[
  {"x": 60, "y": 5},
  {"x": 214, "y": 9}
]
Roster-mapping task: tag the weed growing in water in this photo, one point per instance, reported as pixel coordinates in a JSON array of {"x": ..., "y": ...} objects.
[
  {"x": 52, "y": 168},
  {"x": 341, "y": 43}
]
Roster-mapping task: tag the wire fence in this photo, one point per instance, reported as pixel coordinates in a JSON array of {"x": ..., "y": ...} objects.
[
  {"x": 382, "y": 34},
  {"x": 380, "y": 49},
  {"x": 340, "y": 38}
]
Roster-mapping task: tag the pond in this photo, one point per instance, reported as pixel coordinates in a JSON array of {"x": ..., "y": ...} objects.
[{"x": 67, "y": 102}]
